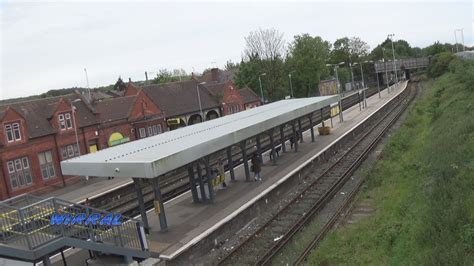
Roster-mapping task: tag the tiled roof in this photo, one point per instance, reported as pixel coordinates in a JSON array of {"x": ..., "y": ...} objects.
[
  {"x": 37, "y": 114},
  {"x": 216, "y": 90},
  {"x": 249, "y": 95},
  {"x": 178, "y": 98},
  {"x": 114, "y": 109}
]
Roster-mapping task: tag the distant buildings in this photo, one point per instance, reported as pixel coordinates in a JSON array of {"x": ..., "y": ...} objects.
[{"x": 36, "y": 135}]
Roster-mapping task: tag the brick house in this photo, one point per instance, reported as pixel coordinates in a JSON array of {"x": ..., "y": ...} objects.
[
  {"x": 128, "y": 118},
  {"x": 36, "y": 135}
]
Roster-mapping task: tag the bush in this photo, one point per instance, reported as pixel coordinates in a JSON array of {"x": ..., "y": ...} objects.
[{"x": 439, "y": 64}]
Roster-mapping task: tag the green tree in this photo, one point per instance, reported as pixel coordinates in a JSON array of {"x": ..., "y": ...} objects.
[
  {"x": 402, "y": 50},
  {"x": 306, "y": 62},
  {"x": 120, "y": 85},
  {"x": 249, "y": 70},
  {"x": 349, "y": 50},
  {"x": 165, "y": 76},
  {"x": 440, "y": 63}
]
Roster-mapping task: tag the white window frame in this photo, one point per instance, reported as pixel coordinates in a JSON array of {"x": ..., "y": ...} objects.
[
  {"x": 46, "y": 163},
  {"x": 150, "y": 131},
  {"x": 19, "y": 172},
  {"x": 9, "y": 133},
  {"x": 62, "y": 122},
  {"x": 16, "y": 130},
  {"x": 68, "y": 119},
  {"x": 142, "y": 132},
  {"x": 69, "y": 151},
  {"x": 12, "y": 132}
]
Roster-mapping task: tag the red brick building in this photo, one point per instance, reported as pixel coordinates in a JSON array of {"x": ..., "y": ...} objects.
[
  {"x": 216, "y": 92},
  {"x": 36, "y": 135}
]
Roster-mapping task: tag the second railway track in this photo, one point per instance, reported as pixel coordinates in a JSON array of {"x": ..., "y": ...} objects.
[{"x": 260, "y": 248}]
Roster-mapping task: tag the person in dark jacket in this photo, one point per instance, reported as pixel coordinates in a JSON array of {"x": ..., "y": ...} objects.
[{"x": 256, "y": 167}]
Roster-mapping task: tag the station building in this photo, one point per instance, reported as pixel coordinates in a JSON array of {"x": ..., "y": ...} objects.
[{"x": 36, "y": 135}]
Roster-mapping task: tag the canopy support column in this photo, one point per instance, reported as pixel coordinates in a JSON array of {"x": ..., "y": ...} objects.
[
  {"x": 311, "y": 126},
  {"x": 158, "y": 203},
  {"x": 322, "y": 116},
  {"x": 230, "y": 163},
  {"x": 245, "y": 161},
  {"x": 282, "y": 138},
  {"x": 141, "y": 204},
  {"x": 192, "y": 182},
  {"x": 259, "y": 148},
  {"x": 295, "y": 136},
  {"x": 209, "y": 177},
  {"x": 272, "y": 146},
  {"x": 300, "y": 132},
  {"x": 201, "y": 183}
]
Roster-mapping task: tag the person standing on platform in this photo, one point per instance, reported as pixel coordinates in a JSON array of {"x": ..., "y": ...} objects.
[
  {"x": 220, "y": 168},
  {"x": 256, "y": 167}
]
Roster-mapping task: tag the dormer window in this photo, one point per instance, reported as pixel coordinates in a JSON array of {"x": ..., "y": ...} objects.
[
  {"x": 65, "y": 121},
  {"x": 12, "y": 131}
]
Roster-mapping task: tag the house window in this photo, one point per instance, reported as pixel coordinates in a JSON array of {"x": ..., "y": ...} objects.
[
  {"x": 65, "y": 121},
  {"x": 46, "y": 164},
  {"x": 19, "y": 172},
  {"x": 12, "y": 131},
  {"x": 142, "y": 132},
  {"x": 153, "y": 130},
  {"x": 69, "y": 151},
  {"x": 157, "y": 129},
  {"x": 68, "y": 120}
]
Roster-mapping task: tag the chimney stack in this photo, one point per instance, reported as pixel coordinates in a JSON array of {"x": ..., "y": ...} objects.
[{"x": 214, "y": 74}]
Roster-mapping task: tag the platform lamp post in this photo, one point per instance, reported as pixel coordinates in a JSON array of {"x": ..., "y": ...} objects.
[
  {"x": 260, "y": 82},
  {"x": 341, "y": 118},
  {"x": 393, "y": 52},
  {"x": 291, "y": 85},
  {"x": 199, "y": 100},
  {"x": 73, "y": 108},
  {"x": 386, "y": 70}
]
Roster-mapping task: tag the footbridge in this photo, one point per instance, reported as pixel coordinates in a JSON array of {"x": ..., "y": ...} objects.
[
  {"x": 28, "y": 234},
  {"x": 401, "y": 64}
]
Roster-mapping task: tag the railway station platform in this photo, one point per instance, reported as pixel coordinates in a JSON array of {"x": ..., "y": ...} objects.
[{"x": 190, "y": 222}]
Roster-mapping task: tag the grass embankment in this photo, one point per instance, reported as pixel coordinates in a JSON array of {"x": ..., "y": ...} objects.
[{"x": 422, "y": 188}]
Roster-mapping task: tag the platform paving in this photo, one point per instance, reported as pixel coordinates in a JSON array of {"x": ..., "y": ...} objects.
[{"x": 189, "y": 222}]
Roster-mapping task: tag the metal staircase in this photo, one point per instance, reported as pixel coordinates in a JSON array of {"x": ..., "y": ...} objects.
[{"x": 26, "y": 232}]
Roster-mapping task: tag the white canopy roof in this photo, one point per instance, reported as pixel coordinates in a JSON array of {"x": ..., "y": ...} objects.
[{"x": 157, "y": 155}]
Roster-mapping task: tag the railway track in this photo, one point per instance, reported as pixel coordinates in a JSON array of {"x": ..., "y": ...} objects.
[
  {"x": 260, "y": 247},
  {"x": 124, "y": 199},
  {"x": 300, "y": 259}
]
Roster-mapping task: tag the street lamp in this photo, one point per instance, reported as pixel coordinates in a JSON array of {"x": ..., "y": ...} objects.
[
  {"x": 393, "y": 52},
  {"x": 362, "y": 71},
  {"x": 291, "y": 85},
  {"x": 386, "y": 70},
  {"x": 199, "y": 100},
  {"x": 260, "y": 81},
  {"x": 73, "y": 108},
  {"x": 462, "y": 39},
  {"x": 341, "y": 118}
]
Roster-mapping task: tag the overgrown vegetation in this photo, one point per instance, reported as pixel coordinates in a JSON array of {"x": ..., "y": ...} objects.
[{"x": 422, "y": 188}]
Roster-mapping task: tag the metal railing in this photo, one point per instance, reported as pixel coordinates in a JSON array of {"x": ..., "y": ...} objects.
[{"x": 25, "y": 225}]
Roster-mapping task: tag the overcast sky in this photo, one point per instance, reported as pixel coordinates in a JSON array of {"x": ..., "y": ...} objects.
[{"x": 47, "y": 45}]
